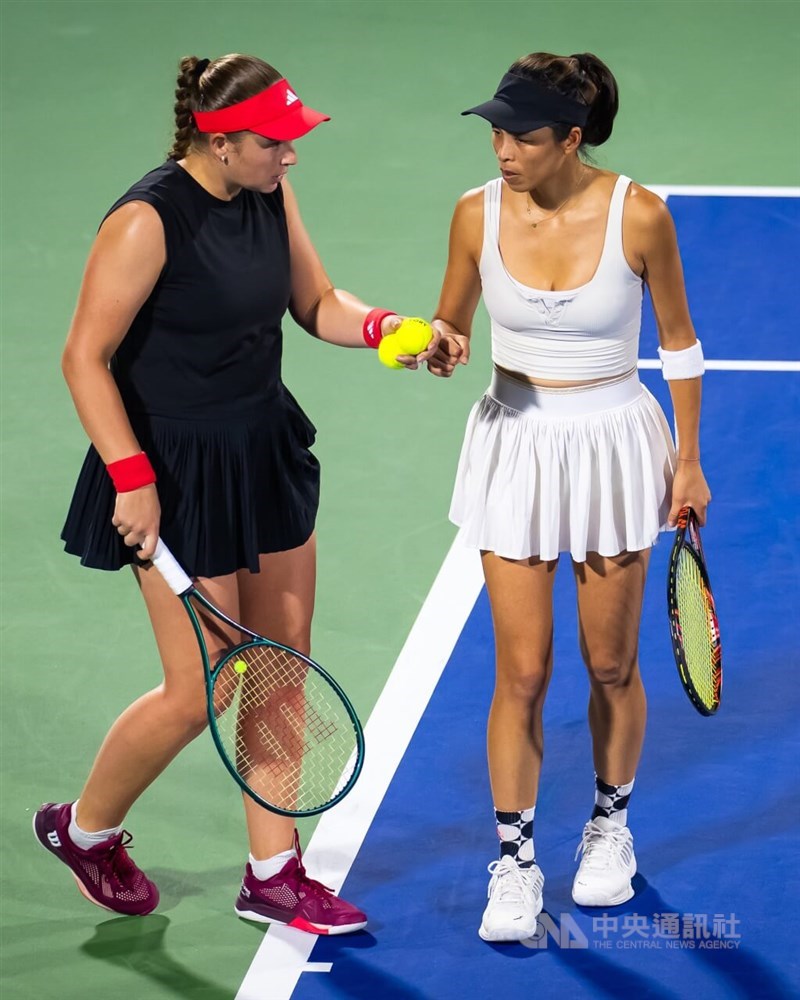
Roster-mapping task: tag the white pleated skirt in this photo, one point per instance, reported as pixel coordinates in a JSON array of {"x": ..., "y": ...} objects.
[{"x": 545, "y": 471}]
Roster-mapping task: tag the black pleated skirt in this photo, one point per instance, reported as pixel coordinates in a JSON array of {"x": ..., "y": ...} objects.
[{"x": 229, "y": 489}]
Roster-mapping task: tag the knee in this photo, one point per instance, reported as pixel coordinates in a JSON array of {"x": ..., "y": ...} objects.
[
  {"x": 296, "y": 637},
  {"x": 522, "y": 682},
  {"x": 296, "y": 634},
  {"x": 609, "y": 671},
  {"x": 189, "y": 709},
  {"x": 299, "y": 639}
]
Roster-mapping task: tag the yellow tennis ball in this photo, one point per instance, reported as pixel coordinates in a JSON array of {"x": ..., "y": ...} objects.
[
  {"x": 239, "y": 666},
  {"x": 388, "y": 349},
  {"x": 411, "y": 337},
  {"x": 414, "y": 335}
]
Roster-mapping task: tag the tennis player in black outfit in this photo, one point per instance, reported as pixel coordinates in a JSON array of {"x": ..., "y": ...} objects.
[{"x": 173, "y": 360}]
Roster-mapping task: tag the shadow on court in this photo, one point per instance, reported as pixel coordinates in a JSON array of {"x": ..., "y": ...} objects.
[
  {"x": 740, "y": 973},
  {"x": 363, "y": 981},
  {"x": 603, "y": 976},
  {"x": 175, "y": 885},
  {"x": 137, "y": 945}
]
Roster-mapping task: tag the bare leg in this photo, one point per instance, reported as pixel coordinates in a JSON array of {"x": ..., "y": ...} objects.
[
  {"x": 278, "y": 602},
  {"x": 521, "y": 596},
  {"x": 610, "y": 592},
  {"x": 156, "y": 727}
]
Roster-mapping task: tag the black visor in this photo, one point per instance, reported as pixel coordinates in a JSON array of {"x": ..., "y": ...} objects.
[{"x": 522, "y": 105}]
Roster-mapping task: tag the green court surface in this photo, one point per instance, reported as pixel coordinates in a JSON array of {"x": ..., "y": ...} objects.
[{"x": 708, "y": 95}]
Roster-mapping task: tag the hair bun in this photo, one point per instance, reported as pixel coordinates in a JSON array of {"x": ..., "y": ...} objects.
[{"x": 605, "y": 103}]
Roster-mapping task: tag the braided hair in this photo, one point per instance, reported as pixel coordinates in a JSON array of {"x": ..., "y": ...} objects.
[{"x": 208, "y": 85}]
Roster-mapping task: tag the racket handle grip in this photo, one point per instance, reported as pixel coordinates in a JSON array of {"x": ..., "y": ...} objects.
[{"x": 169, "y": 567}]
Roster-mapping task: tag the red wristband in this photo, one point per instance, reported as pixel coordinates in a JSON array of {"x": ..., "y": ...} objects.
[
  {"x": 371, "y": 329},
  {"x": 131, "y": 473}
]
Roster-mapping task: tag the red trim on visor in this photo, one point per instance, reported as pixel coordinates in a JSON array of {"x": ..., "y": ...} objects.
[{"x": 275, "y": 113}]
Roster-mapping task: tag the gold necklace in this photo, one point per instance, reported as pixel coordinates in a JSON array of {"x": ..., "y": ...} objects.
[{"x": 547, "y": 218}]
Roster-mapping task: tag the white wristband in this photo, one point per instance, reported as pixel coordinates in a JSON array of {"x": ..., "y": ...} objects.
[{"x": 687, "y": 363}]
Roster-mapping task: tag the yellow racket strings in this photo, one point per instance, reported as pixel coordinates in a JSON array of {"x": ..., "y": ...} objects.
[{"x": 697, "y": 629}]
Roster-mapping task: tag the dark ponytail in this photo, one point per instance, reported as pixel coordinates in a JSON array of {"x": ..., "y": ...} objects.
[
  {"x": 583, "y": 77},
  {"x": 209, "y": 86},
  {"x": 604, "y": 104}
]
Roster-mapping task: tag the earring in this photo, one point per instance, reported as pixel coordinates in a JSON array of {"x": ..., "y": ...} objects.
[{"x": 224, "y": 160}]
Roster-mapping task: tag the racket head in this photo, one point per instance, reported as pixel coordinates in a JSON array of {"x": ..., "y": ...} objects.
[
  {"x": 694, "y": 627},
  {"x": 284, "y": 728}
]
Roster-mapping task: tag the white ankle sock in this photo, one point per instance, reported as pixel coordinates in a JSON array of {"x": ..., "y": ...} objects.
[
  {"x": 270, "y": 866},
  {"x": 82, "y": 838}
]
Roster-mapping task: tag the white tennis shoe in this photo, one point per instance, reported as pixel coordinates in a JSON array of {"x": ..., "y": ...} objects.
[
  {"x": 515, "y": 901},
  {"x": 607, "y": 866}
]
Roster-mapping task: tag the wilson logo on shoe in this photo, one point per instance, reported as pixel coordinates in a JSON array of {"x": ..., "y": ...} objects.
[{"x": 53, "y": 838}]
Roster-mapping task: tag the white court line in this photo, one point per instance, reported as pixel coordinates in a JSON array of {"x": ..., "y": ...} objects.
[
  {"x": 722, "y": 365},
  {"x": 721, "y": 191},
  {"x": 283, "y": 953}
]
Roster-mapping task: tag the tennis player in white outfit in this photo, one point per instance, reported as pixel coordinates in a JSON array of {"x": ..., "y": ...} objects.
[{"x": 567, "y": 451}]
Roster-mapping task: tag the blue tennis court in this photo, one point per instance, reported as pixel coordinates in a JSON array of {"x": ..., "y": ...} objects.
[{"x": 713, "y": 815}]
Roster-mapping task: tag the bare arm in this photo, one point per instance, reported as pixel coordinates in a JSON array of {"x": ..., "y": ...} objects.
[
  {"x": 656, "y": 244},
  {"x": 123, "y": 266},
  {"x": 461, "y": 288}
]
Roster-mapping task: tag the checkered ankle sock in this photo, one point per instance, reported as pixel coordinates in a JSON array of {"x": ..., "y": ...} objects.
[
  {"x": 515, "y": 830},
  {"x": 611, "y": 801}
]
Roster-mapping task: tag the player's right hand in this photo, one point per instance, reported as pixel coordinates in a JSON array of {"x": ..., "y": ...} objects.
[
  {"x": 137, "y": 517},
  {"x": 452, "y": 350}
]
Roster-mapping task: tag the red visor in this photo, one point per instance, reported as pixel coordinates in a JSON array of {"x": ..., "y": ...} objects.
[{"x": 275, "y": 113}]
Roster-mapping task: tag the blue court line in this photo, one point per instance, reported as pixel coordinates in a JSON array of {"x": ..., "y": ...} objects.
[{"x": 712, "y": 814}]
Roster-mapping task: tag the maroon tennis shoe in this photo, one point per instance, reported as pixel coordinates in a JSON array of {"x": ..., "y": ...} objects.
[
  {"x": 292, "y": 898},
  {"x": 105, "y": 873}
]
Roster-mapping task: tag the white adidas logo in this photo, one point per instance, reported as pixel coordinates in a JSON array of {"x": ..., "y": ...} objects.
[
  {"x": 291, "y": 97},
  {"x": 53, "y": 838}
]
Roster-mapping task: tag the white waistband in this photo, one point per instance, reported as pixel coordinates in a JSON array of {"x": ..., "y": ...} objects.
[{"x": 568, "y": 402}]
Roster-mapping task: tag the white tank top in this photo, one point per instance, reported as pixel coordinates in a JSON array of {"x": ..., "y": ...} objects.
[{"x": 576, "y": 334}]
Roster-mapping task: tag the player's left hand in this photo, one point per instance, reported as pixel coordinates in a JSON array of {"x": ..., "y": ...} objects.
[{"x": 689, "y": 489}]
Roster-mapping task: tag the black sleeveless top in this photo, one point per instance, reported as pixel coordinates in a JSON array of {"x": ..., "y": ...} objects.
[
  {"x": 208, "y": 340},
  {"x": 199, "y": 372}
]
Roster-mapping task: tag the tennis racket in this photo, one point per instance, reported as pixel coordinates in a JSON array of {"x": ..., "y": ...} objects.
[
  {"x": 693, "y": 618},
  {"x": 284, "y": 728}
]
